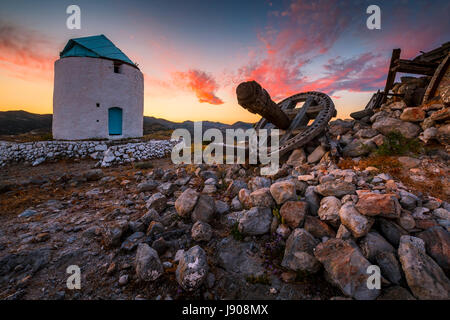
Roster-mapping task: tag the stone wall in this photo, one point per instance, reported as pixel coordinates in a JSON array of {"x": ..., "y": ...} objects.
[{"x": 35, "y": 153}]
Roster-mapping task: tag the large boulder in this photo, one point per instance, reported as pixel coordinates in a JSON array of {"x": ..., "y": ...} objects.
[
  {"x": 424, "y": 276},
  {"x": 299, "y": 252},
  {"x": 347, "y": 268},
  {"x": 389, "y": 266},
  {"x": 387, "y": 125},
  {"x": 192, "y": 269}
]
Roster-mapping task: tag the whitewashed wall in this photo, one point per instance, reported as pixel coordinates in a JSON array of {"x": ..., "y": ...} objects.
[{"x": 82, "y": 82}]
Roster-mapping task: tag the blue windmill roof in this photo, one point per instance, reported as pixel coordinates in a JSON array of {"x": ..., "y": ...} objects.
[{"x": 94, "y": 46}]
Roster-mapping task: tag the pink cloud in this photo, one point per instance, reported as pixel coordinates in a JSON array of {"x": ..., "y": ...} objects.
[
  {"x": 307, "y": 30},
  {"x": 202, "y": 84},
  {"x": 25, "y": 54}
]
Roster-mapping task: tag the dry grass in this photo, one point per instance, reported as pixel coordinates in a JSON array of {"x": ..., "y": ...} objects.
[{"x": 432, "y": 186}]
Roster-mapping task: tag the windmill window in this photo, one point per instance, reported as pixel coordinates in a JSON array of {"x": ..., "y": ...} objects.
[
  {"x": 98, "y": 105},
  {"x": 117, "y": 67}
]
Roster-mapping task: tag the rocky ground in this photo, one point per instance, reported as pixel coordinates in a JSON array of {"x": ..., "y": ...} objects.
[{"x": 218, "y": 232}]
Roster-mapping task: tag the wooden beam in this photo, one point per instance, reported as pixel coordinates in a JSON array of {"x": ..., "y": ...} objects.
[
  {"x": 413, "y": 67},
  {"x": 437, "y": 77}
]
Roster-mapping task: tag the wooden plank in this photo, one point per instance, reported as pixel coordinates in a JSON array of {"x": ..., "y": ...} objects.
[
  {"x": 437, "y": 77},
  {"x": 299, "y": 119},
  {"x": 407, "y": 66},
  {"x": 391, "y": 75}
]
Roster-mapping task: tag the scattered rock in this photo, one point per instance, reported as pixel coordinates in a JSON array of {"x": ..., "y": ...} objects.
[
  {"x": 317, "y": 228},
  {"x": 204, "y": 209},
  {"x": 387, "y": 125},
  {"x": 158, "y": 201},
  {"x": 373, "y": 204},
  {"x": 337, "y": 188},
  {"x": 299, "y": 252},
  {"x": 346, "y": 267},
  {"x": 244, "y": 198},
  {"x": 94, "y": 174},
  {"x": 297, "y": 158},
  {"x": 192, "y": 269},
  {"x": 262, "y": 198},
  {"x": 437, "y": 244},
  {"x": 329, "y": 209},
  {"x": 201, "y": 231},
  {"x": 255, "y": 221},
  {"x": 358, "y": 224},
  {"x": 372, "y": 244},
  {"x": 258, "y": 182},
  {"x": 28, "y": 213},
  {"x": 317, "y": 154},
  {"x": 283, "y": 191},
  {"x": 186, "y": 202},
  {"x": 148, "y": 265},
  {"x": 239, "y": 257},
  {"x": 415, "y": 114}
]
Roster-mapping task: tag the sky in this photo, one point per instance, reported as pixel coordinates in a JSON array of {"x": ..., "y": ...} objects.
[{"x": 194, "y": 53}]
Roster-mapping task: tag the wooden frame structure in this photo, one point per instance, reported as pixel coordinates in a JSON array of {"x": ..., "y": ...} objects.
[{"x": 425, "y": 64}]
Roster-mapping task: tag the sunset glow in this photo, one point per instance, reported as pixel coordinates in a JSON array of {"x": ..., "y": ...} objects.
[{"x": 193, "y": 54}]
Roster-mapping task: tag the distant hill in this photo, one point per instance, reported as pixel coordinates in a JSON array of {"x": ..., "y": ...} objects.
[
  {"x": 151, "y": 124},
  {"x": 19, "y": 122}
]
